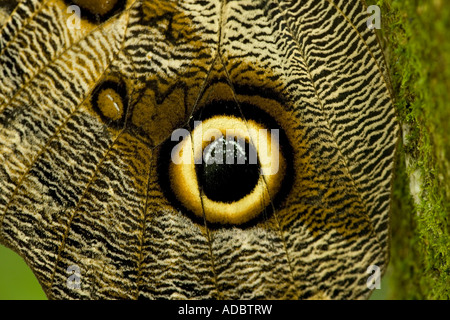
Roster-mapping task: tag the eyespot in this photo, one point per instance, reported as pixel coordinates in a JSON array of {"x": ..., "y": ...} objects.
[
  {"x": 223, "y": 182},
  {"x": 227, "y": 170},
  {"x": 109, "y": 100},
  {"x": 100, "y": 10}
]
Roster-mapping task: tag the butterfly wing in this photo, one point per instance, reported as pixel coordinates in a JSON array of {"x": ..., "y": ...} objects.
[{"x": 80, "y": 176}]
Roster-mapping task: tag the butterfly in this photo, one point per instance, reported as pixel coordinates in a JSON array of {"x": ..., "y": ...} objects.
[{"x": 195, "y": 149}]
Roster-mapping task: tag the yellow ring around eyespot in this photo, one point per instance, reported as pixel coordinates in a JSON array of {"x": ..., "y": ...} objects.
[{"x": 184, "y": 178}]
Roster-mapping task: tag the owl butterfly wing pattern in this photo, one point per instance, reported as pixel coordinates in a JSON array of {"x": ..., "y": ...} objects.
[{"x": 87, "y": 107}]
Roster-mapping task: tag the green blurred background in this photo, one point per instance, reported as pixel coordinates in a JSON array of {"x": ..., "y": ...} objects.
[{"x": 17, "y": 281}]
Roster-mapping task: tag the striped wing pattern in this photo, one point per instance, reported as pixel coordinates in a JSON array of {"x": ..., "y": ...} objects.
[{"x": 78, "y": 190}]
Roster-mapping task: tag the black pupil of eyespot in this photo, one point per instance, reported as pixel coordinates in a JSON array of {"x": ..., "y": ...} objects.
[{"x": 229, "y": 170}]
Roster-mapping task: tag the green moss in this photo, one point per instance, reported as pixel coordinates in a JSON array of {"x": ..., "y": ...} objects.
[{"x": 414, "y": 34}]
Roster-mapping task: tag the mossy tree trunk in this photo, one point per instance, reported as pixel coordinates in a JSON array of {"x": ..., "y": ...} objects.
[{"x": 415, "y": 37}]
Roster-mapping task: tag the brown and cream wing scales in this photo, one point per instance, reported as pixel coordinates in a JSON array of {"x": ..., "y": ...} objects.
[{"x": 88, "y": 109}]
